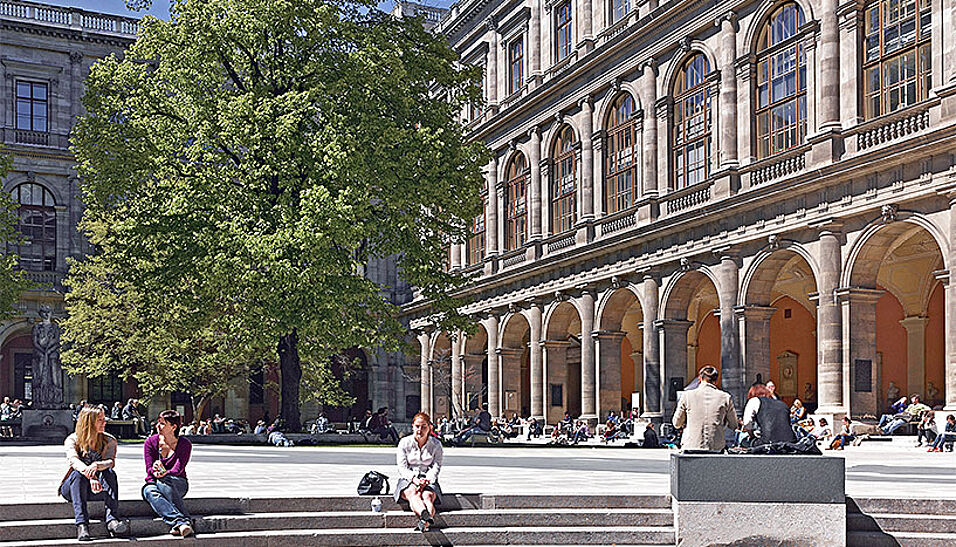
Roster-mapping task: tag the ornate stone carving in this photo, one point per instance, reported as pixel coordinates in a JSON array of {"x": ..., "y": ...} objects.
[
  {"x": 685, "y": 264},
  {"x": 76, "y": 57},
  {"x": 684, "y": 45},
  {"x": 491, "y": 23},
  {"x": 47, "y": 374},
  {"x": 559, "y": 296},
  {"x": 559, "y": 119},
  {"x": 889, "y": 212},
  {"x": 616, "y": 85},
  {"x": 774, "y": 242},
  {"x": 617, "y": 282}
]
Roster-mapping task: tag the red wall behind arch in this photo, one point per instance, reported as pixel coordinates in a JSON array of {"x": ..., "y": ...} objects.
[
  {"x": 935, "y": 345},
  {"x": 797, "y": 335},
  {"x": 891, "y": 344},
  {"x": 708, "y": 343}
]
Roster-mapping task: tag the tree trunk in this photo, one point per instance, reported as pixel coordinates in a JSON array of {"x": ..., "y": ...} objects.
[
  {"x": 198, "y": 406},
  {"x": 290, "y": 370}
]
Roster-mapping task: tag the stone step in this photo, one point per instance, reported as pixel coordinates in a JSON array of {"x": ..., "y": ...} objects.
[
  {"x": 901, "y": 522},
  {"x": 233, "y": 506},
  {"x": 901, "y": 506},
  {"x": 899, "y": 539},
  {"x": 142, "y": 527},
  {"x": 526, "y": 535}
]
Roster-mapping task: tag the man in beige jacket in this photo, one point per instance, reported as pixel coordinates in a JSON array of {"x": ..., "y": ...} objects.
[{"x": 703, "y": 413}]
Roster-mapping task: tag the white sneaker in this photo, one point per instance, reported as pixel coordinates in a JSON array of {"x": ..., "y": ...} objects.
[{"x": 185, "y": 530}]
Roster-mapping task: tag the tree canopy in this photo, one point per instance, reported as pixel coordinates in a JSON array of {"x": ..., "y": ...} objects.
[{"x": 241, "y": 164}]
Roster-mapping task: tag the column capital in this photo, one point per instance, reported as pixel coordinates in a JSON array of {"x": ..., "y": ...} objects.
[
  {"x": 673, "y": 325},
  {"x": 942, "y": 276},
  {"x": 917, "y": 322},
  {"x": 727, "y": 17},
  {"x": 491, "y": 23},
  {"x": 829, "y": 226},
  {"x": 587, "y": 101},
  {"x": 858, "y": 295},
  {"x": 554, "y": 344},
  {"x": 608, "y": 335},
  {"x": 509, "y": 352},
  {"x": 649, "y": 63},
  {"x": 760, "y": 313}
]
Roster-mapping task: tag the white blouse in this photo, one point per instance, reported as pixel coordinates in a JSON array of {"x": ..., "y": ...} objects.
[{"x": 414, "y": 461}]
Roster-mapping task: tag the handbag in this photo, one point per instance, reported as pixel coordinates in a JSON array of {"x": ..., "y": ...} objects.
[{"x": 372, "y": 484}]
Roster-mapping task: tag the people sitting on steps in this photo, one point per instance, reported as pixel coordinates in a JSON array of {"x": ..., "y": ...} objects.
[
  {"x": 845, "y": 437},
  {"x": 419, "y": 458},
  {"x": 166, "y": 454},
  {"x": 480, "y": 424},
  {"x": 896, "y": 408},
  {"x": 946, "y": 437},
  {"x": 381, "y": 426},
  {"x": 912, "y": 412}
]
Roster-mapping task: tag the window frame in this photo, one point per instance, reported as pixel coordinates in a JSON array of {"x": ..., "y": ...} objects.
[
  {"x": 41, "y": 252},
  {"x": 31, "y": 101},
  {"x": 625, "y": 9},
  {"x": 475, "y": 246},
  {"x": 920, "y": 48},
  {"x": 516, "y": 65},
  {"x": 563, "y": 29},
  {"x": 564, "y": 213},
  {"x": 768, "y": 56},
  {"x": 703, "y": 140},
  {"x": 622, "y": 129},
  {"x": 516, "y": 210}
]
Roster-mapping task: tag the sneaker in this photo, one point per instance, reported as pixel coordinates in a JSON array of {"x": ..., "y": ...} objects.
[
  {"x": 185, "y": 530},
  {"x": 421, "y": 526},
  {"x": 118, "y": 528},
  {"x": 83, "y": 532},
  {"x": 174, "y": 531}
]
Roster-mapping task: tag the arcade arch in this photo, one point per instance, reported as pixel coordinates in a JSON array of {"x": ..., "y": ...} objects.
[
  {"x": 562, "y": 355},
  {"x": 621, "y": 349},
  {"x": 475, "y": 369},
  {"x": 515, "y": 362}
]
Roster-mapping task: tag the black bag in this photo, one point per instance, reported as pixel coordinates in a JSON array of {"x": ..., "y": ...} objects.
[{"x": 372, "y": 484}]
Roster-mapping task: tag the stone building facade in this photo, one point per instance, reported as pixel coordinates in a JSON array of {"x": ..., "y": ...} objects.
[
  {"x": 764, "y": 186},
  {"x": 45, "y": 54}
]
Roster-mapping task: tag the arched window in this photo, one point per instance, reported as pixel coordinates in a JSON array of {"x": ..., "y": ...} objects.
[
  {"x": 563, "y": 209},
  {"x": 692, "y": 123},
  {"x": 781, "y": 83},
  {"x": 37, "y": 224},
  {"x": 516, "y": 203},
  {"x": 621, "y": 180},
  {"x": 897, "y": 62},
  {"x": 475, "y": 246}
]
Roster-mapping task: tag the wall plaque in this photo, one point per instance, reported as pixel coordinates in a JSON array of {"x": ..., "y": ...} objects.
[{"x": 862, "y": 375}]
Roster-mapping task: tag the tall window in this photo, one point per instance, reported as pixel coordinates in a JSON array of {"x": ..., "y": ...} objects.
[
  {"x": 475, "y": 246},
  {"x": 563, "y": 209},
  {"x": 37, "y": 224},
  {"x": 621, "y": 181},
  {"x": 515, "y": 65},
  {"x": 516, "y": 213},
  {"x": 31, "y": 106},
  {"x": 562, "y": 23},
  {"x": 619, "y": 9},
  {"x": 692, "y": 123},
  {"x": 781, "y": 83},
  {"x": 897, "y": 63}
]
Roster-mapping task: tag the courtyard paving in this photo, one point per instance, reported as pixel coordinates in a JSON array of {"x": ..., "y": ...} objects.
[{"x": 32, "y": 473}]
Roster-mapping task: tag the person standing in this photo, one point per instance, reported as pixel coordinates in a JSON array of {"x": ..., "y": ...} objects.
[
  {"x": 419, "y": 457},
  {"x": 704, "y": 413},
  {"x": 166, "y": 455},
  {"x": 91, "y": 454}
]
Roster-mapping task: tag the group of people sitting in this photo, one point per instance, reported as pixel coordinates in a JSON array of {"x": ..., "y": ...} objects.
[
  {"x": 11, "y": 412},
  {"x": 91, "y": 456},
  {"x": 913, "y": 411}
]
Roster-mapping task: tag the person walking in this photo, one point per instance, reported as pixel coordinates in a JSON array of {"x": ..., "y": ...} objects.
[
  {"x": 704, "y": 413},
  {"x": 91, "y": 454},
  {"x": 419, "y": 457},
  {"x": 166, "y": 455}
]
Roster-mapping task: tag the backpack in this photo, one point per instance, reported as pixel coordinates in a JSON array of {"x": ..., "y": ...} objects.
[{"x": 372, "y": 483}]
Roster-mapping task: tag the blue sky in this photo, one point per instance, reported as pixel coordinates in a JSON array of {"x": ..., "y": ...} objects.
[{"x": 160, "y": 8}]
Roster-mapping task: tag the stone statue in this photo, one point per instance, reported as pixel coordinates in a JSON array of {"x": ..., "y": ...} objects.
[
  {"x": 932, "y": 392},
  {"x": 892, "y": 392},
  {"x": 47, "y": 374}
]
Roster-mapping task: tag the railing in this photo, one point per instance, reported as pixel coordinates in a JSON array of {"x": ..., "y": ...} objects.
[
  {"x": 619, "y": 26},
  {"x": 778, "y": 167},
  {"x": 68, "y": 17},
  {"x": 561, "y": 243},
  {"x": 617, "y": 222},
  {"x": 896, "y": 126},
  {"x": 687, "y": 198},
  {"x": 22, "y": 136},
  {"x": 514, "y": 259},
  {"x": 513, "y": 98},
  {"x": 559, "y": 67},
  {"x": 46, "y": 279}
]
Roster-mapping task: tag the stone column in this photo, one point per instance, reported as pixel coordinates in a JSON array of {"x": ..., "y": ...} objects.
[
  {"x": 426, "y": 386},
  {"x": 457, "y": 408},
  {"x": 745, "y": 150},
  {"x": 545, "y": 208},
  {"x": 534, "y": 40},
  {"x": 829, "y": 92},
  {"x": 502, "y": 217},
  {"x": 588, "y": 365},
  {"x": 492, "y": 64},
  {"x": 754, "y": 328},
  {"x": 472, "y": 385},
  {"x": 491, "y": 214},
  {"x": 587, "y": 159},
  {"x": 728, "y": 91},
  {"x": 535, "y": 191},
  {"x": 664, "y": 179},
  {"x": 587, "y": 32},
  {"x": 537, "y": 364},
  {"x": 597, "y": 189},
  {"x": 556, "y": 354},
  {"x": 850, "y": 80},
  {"x": 510, "y": 380},
  {"x": 673, "y": 344},
  {"x": 609, "y": 371},
  {"x": 915, "y": 353},
  {"x": 652, "y": 356},
  {"x": 830, "y": 387},
  {"x": 637, "y": 359},
  {"x": 949, "y": 384},
  {"x": 861, "y": 379},
  {"x": 494, "y": 367},
  {"x": 730, "y": 369},
  {"x": 649, "y": 154}
]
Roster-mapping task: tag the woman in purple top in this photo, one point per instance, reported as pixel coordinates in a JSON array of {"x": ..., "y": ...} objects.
[{"x": 166, "y": 457}]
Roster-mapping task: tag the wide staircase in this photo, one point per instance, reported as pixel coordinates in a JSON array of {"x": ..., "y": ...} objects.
[
  {"x": 900, "y": 522},
  {"x": 463, "y": 520}
]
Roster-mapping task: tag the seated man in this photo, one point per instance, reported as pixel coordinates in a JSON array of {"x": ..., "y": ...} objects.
[
  {"x": 896, "y": 408},
  {"x": 581, "y": 433},
  {"x": 651, "y": 440},
  {"x": 481, "y": 423},
  {"x": 947, "y": 436},
  {"x": 912, "y": 412}
]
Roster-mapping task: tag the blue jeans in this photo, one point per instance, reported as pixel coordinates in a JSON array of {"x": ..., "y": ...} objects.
[
  {"x": 893, "y": 426},
  {"x": 944, "y": 437},
  {"x": 76, "y": 489},
  {"x": 165, "y": 496}
]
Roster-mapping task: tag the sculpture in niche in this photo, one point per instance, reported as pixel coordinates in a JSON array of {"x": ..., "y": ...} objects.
[{"x": 47, "y": 373}]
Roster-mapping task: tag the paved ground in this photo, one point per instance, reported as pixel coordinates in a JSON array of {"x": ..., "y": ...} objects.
[{"x": 30, "y": 473}]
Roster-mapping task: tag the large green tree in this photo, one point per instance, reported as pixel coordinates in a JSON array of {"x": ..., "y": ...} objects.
[{"x": 242, "y": 163}]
